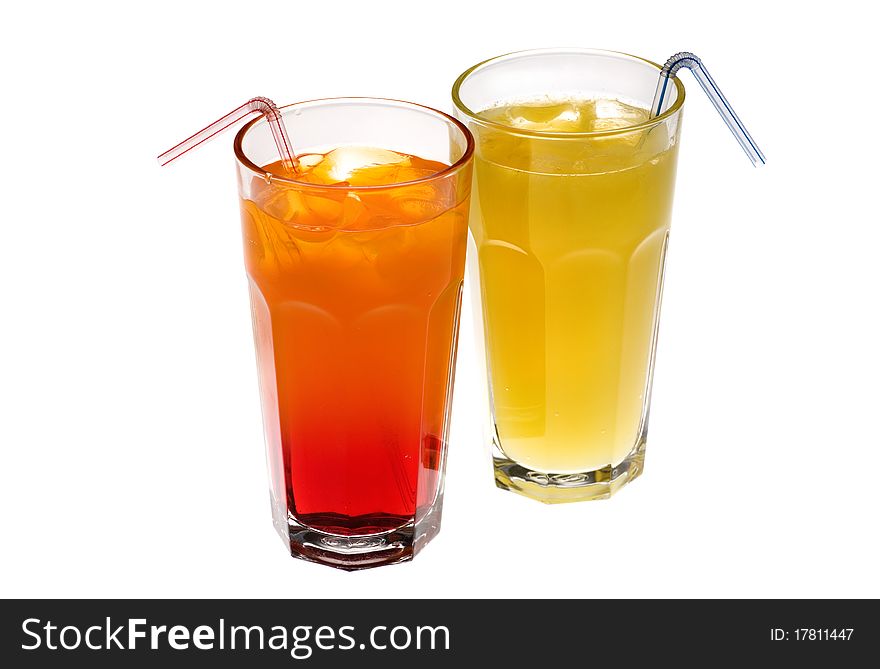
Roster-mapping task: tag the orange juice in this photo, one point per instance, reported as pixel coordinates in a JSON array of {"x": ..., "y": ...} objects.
[{"x": 571, "y": 237}]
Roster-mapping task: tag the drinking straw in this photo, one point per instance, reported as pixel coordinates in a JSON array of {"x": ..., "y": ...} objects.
[
  {"x": 695, "y": 65},
  {"x": 262, "y": 105}
]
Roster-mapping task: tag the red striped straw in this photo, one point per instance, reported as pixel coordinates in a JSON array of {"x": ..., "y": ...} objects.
[{"x": 262, "y": 105}]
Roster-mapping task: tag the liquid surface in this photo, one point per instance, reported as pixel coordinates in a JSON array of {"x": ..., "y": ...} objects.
[
  {"x": 570, "y": 237},
  {"x": 355, "y": 300},
  {"x": 568, "y": 116}
]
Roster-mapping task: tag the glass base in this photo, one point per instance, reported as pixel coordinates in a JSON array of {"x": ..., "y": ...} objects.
[
  {"x": 560, "y": 488},
  {"x": 353, "y": 552}
]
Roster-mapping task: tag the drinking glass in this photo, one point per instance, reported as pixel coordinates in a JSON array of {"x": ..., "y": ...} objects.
[
  {"x": 569, "y": 230},
  {"x": 355, "y": 297}
]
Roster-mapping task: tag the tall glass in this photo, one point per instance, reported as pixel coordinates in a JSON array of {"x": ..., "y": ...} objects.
[
  {"x": 355, "y": 296},
  {"x": 569, "y": 230}
]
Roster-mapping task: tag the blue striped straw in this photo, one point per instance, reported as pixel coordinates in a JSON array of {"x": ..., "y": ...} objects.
[{"x": 695, "y": 65}]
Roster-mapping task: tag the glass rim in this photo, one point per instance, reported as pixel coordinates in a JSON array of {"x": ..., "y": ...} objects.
[
  {"x": 305, "y": 185},
  {"x": 545, "y": 134}
]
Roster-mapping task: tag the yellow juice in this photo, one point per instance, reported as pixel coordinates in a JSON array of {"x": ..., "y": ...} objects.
[{"x": 571, "y": 233}]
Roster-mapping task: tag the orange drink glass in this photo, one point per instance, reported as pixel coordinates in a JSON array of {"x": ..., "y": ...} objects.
[{"x": 355, "y": 266}]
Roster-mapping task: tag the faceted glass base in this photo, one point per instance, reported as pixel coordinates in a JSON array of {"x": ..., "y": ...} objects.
[
  {"x": 560, "y": 488},
  {"x": 353, "y": 552}
]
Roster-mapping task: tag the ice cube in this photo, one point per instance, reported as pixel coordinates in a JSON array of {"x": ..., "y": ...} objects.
[
  {"x": 419, "y": 211},
  {"x": 353, "y": 164},
  {"x": 325, "y": 208},
  {"x": 317, "y": 209},
  {"x": 354, "y": 213},
  {"x": 308, "y": 160},
  {"x": 414, "y": 173},
  {"x": 613, "y": 114},
  {"x": 558, "y": 117},
  {"x": 420, "y": 203},
  {"x": 284, "y": 204}
]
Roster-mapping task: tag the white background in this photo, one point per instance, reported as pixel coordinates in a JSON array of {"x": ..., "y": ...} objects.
[{"x": 132, "y": 455}]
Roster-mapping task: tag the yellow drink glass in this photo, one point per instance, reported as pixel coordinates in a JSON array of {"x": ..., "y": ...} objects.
[{"x": 569, "y": 228}]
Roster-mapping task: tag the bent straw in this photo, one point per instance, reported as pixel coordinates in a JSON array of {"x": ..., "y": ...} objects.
[
  {"x": 262, "y": 105},
  {"x": 695, "y": 65}
]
